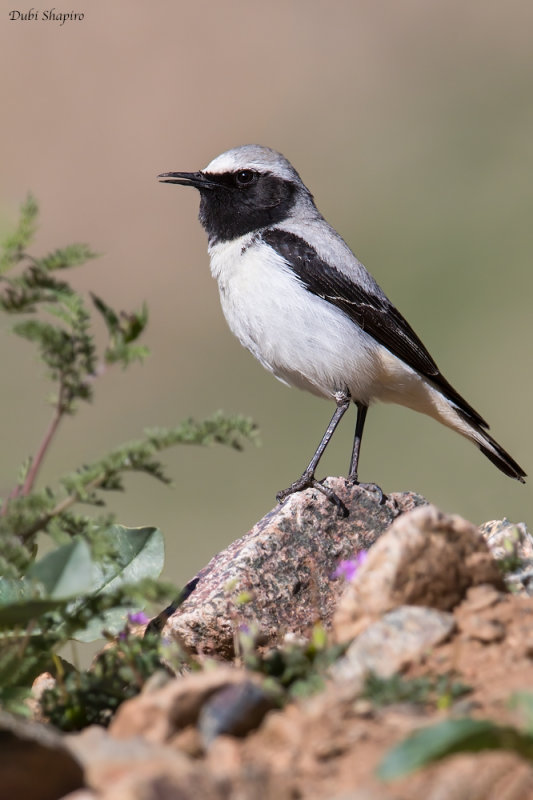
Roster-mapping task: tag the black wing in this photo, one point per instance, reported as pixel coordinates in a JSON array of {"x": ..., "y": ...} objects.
[{"x": 374, "y": 314}]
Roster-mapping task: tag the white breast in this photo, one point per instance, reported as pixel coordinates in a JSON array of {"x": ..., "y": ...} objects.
[
  {"x": 307, "y": 342},
  {"x": 302, "y": 339}
]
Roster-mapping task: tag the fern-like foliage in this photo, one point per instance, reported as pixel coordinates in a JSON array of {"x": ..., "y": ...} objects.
[{"x": 95, "y": 569}]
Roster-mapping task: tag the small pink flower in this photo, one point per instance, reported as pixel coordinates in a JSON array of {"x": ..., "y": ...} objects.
[
  {"x": 347, "y": 568},
  {"x": 138, "y": 618}
]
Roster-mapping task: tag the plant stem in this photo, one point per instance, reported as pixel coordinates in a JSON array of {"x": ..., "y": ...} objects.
[
  {"x": 68, "y": 501},
  {"x": 36, "y": 463}
]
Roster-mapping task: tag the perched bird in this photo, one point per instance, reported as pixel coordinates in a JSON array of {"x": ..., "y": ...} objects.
[{"x": 296, "y": 296}]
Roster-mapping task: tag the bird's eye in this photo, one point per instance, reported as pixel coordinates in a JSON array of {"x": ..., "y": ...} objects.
[{"x": 244, "y": 177}]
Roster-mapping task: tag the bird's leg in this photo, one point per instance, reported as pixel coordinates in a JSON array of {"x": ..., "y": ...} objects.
[
  {"x": 308, "y": 480},
  {"x": 359, "y": 425},
  {"x": 354, "y": 464}
]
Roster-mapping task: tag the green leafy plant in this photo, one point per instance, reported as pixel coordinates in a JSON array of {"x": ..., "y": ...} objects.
[
  {"x": 294, "y": 669},
  {"x": 95, "y": 570},
  {"x": 90, "y": 697},
  {"x": 463, "y": 735}
]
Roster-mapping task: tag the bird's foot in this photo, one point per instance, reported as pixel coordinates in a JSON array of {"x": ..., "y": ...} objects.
[
  {"x": 308, "y": 481},
  {"x": 369, "y": 487}
]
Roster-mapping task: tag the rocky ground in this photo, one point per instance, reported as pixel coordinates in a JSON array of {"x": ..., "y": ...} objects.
[{"x": 429, "y": 631}]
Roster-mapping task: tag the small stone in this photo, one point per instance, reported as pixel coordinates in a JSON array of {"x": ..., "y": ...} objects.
[
  {"x": 35, "y": 764},
  {"x": 512, "y": 545},
  {"x": 506, "y": 539},
  {"x": 235, "y": 710},
  {"x": 108, "y": 761},
  {"x": 159, "y": 714},
  {"x": 189, "y": 741},
  {"x": 483, "y": 630},
  {"x": 40, "y": 685},
  {"x": 386, "y": 646},
  {"x": 481, "y": 597}
]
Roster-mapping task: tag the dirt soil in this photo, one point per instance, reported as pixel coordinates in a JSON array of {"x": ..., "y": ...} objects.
[{"x": 330, "y": 744}]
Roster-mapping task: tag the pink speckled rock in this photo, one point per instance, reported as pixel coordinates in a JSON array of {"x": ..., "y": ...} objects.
[{"x": 283, "y": 566}]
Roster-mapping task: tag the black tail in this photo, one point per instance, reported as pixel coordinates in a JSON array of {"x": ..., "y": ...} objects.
[{"x": 500, "y": 457}]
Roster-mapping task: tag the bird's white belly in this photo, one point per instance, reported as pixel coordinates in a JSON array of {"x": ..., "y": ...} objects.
[{"x": 301, "y": 338}]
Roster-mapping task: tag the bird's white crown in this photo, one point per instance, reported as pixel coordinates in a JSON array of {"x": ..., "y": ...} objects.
[{"x": 253, "y": 156}]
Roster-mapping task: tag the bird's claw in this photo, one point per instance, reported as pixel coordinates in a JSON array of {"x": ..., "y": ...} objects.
[
  {"x": 310, "y": 482},
  {"x": 369, "y": 487}
]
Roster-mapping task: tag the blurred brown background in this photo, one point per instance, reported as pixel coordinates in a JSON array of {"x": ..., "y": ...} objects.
[{"x": 411, "y": 122}]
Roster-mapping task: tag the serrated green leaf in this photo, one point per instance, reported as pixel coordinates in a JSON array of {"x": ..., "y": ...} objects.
[
  {"x": 36, "y": 330},
  {"x": 111, "y": 318},
  {"x": 70, "y": 256},
  {"x": 452, "y": 736},
  {"x": 66, "y": 572},
  {"x": 14, "y": 244}
]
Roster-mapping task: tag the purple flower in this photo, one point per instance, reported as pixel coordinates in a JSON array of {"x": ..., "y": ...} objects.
[
  {"x": 347, "y": 568},
  {"x": 138, "y": 618}
]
